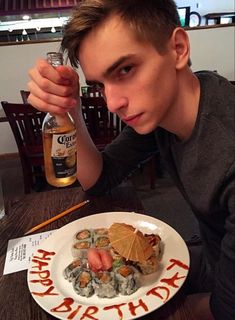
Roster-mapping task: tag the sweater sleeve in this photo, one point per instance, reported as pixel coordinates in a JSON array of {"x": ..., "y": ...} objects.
[
  {"x": 223, "y": 295},
  {"x": 122, "y": 157}
]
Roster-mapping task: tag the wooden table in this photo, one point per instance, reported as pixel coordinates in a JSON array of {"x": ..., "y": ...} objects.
[{"x": 27, "y": 211}]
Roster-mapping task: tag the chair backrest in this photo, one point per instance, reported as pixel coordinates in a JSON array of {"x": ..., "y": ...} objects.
[
  {"x": 90, "y": 91},
  {"x": 24, "y": 95},
  {"x": 102, "y": 125},
  {"x": 25, "y": 122}
]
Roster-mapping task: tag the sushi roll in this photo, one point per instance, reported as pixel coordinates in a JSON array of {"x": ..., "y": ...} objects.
[
  {"x": 83, "y": 235},
  {"x": 79, "y": 249},
  {"x": 118, "y": 263},
  {"x": 100, "y": 232},
  {"x": 128, "y": 279},
  {"x": 149, "y": 266},
  {"x": 115, "y": 254},
  {"x": 118, "y": 260},
  {"x": 155, "y": 241},
  {"x": 82, "y": 284},
  {"x": 71, "y": 271},
  {"x": 102, "y": 242},
  {"x": 105, "y": 284}
]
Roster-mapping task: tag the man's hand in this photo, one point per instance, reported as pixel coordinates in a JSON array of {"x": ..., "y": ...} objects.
[{"x": 54, "y": 90}]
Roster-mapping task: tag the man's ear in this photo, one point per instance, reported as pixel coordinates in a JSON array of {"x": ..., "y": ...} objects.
[{"x": 181, "y": 47}]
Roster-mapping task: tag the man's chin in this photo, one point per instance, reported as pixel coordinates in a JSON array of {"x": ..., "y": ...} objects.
[{"x": 143, "y": 130}]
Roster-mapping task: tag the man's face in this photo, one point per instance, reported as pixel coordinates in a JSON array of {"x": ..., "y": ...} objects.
[{"x": 138, "y": 83}]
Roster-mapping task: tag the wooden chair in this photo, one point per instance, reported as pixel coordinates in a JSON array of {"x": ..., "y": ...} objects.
[
  {"x": 26, "y": 123},
  {"x": 90, "y": 91},
  {"x": 24, "y": 95}
]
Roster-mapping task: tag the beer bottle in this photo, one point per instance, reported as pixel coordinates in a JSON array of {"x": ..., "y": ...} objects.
[{"x": 59, "y": 142}]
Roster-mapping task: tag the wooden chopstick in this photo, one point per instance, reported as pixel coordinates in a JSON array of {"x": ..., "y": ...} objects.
[{"x": 58, "y": 216}]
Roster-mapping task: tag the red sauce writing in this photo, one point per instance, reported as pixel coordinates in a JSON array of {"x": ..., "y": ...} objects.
[
  {"x": 177, "y": 263},
  {"x": 133, "y": 308},
  {"x": 155, "y": 292},
  {"x": 117, "y": 307},
  {"x": 42, "y": 274},
  {"x": 74, "y": 310},
  {"x": 65, "y": 306},
  {"x": 171, "y": 281}
]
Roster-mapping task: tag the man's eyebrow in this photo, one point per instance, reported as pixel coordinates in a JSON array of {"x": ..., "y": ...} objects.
[
  {"x": 111, "y": 68},
  {"x": 116, "y": 64}
]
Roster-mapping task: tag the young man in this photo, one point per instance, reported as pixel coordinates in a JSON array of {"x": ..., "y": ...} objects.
[{"x": 138, "y": 55}]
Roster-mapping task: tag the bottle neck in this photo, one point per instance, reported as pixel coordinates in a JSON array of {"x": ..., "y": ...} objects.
[{"x": 55, "y": 59}]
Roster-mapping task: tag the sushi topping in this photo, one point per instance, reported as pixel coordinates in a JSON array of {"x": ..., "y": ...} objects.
[
  {"x": 84, "y": 279},
  {"x": 84, "y": 234},
  {"x": 82, "y": 245},
  {"x": 102, "y": 242},
  {"x": 125, "y": 271},
  {"x": 153, "y": 239},
  {"x": 103, "y": 277},
  {"x": 118, "y": 263},
  {"x": 101, "y": 231},
  {"x": 76, "y": 263}
]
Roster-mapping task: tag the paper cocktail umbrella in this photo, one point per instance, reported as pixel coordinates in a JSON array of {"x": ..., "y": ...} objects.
[{"x": 129, "y": 242}]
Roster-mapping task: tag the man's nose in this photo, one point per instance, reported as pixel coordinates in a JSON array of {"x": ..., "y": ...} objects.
[{"x": 115, "y": 99}]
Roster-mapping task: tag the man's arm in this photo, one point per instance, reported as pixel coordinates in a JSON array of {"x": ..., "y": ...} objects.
[
  {"x": 122, "y": 157},
  {"x": 222, "y": 300},
  {"x": 57, "y": 91}
]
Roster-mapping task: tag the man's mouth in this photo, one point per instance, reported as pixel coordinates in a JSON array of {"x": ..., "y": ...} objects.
[{"x": 132, "y": 119}]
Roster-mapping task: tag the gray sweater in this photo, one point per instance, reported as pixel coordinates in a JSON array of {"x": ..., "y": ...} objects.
[{"x": 203, "y": 168}]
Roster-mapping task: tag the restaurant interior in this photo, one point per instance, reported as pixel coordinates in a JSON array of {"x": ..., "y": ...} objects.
[
  {"x": 32, "y": 28},
  {"x": 212, "y": 33},
  {"x": 29, "y": 29}
]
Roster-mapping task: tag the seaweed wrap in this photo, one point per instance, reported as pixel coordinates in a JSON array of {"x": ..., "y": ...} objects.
[
  {"x": 82, "y": 284},
  {"x": 71, "y": 271},
  {"x": 105, "y": 284},
  {"x": 128, "y": 279},
  {"x": 79, "y": 249},
  {"x": 149, "y": 266}
]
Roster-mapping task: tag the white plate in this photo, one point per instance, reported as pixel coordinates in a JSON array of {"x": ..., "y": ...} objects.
[{"x": 56, "y": 295}]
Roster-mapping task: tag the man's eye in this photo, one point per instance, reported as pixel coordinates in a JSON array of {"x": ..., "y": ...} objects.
[{"x": 125, "y": 70}]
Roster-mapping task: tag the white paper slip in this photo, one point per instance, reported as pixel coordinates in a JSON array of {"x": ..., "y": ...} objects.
[{"x": 21, "y": 250}]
